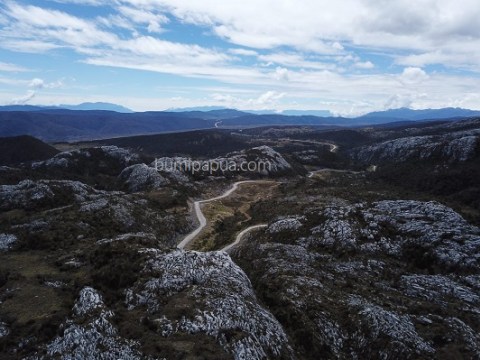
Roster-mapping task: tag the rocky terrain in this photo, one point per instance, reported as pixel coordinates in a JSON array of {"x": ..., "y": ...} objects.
[
  {"x": 389, "y": 279},
  {"x": 109, "y": 244},
  {"x": 344, "y": 264},
  {"x": 452, "y": 147},
  {"x": 263, "y": 161}
]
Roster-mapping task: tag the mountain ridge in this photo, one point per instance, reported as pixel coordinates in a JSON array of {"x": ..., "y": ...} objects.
[
  {"x": 59, "y": 124},
  {"x": 80, "y": 107}
]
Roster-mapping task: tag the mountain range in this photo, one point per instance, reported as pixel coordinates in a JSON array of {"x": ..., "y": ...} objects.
[
  {"x": 83, "y": 106},
  {"x": 86, "y": 122}
]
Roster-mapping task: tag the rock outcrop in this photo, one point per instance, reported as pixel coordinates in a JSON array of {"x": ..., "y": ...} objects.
[
  {"x": 390, "y": 279},
  {"x": 452, "y": 147},
  {"x": 218, "y": 300},
  {"x": 141, "y": 177},
  {"x": 90, "y": 334}
]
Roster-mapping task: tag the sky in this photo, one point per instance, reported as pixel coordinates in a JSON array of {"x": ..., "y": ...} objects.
[{"x": 347, "y": 56}]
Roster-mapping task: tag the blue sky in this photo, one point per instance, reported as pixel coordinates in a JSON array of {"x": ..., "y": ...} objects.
[{"x": 348, "y": 56}]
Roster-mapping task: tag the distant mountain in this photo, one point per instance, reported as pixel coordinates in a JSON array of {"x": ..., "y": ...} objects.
[
  {"x": 58, "y": 124},
  {"x": 320, "y": 113},
  {"x": 276, "y": 119},
  {"x": 263, "y": 112},
  {"x": 200, "y": 143},
  {"x": 196, "y": 108},
  {"x": 214, "y": 114},
  {"x": 425, "y": 114},
  {"x": 70, "y": 125},
  {"x": 220, "y": 110},
  {"x": 21, "y": 108},
  {"x": 17, "y": 149},
  {"x": 97, "y": 106},
  {"x": 82, "y": 106}
]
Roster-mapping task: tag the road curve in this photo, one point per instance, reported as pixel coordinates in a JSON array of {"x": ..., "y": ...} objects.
[
  {"x": 333, "y": 147},
  {"x": 311, "y": 173},
  {"x": 199, "y": 214},
  {"x": 242, "y": 234}
]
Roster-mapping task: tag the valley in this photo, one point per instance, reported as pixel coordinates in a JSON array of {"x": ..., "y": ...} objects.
[
  {"x": 239, "y": 180},
  {"x": 352, "y": 243},
  {"x": 218, "y": 212}
]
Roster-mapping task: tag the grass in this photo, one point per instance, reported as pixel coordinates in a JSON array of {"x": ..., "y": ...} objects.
[
  {"x": 31, "y": 302},
  {"x": 227, "y": 217},
  {"x": 28, "y": 264}
]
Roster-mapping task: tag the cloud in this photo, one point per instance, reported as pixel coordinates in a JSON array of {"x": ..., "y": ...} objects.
[
  {"x": 11, "y": 67},
  {"x": 267, "y": 100},
  {"x": 413, "y": 76},
  {"x": 296, "y": 60},
  {"x": 310, "y": 52},
  {"x": 432, "y": 31},
  {"x": 33, "y": 27},
  {"x": 270, "y": 97},
  {"x": 24, "y": 99},
  {"x": 281, "y": 74},
  {"x": 36, "y": 83},
  {"x": 364, "y": 65},
  {"x": 327, "y": 27},
  {"x": 403, "y": 100},
  {"x": 243, "y": 52},
  {"x": 60, "y": 30},
  {"x": 224, "y": 98},
  {"x": 141, "y": 16},
  {"x": 85, "y": 2}
]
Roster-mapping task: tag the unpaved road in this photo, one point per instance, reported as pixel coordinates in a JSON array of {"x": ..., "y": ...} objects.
[
  {"x": 333, "y": 147},
  {"x": 242, "y": 234},
  {"x": 201, "y": 218},
  {"x": 311, "y": 173}
]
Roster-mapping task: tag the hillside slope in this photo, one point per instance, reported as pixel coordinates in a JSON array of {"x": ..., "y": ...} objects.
[{"x": 17, "y": 149}]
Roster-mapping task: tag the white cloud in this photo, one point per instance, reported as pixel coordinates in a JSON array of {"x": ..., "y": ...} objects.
[
  {"x": 33, "y": 27},
  {"x": 141, "y": 16},
  {"x": 36, "y": 83},
  {"x": 13, "y": 82},
  {"x": 11, "y": 67},
  {"x": 267, "y": 100},
  {"x": 85, "y": 2},
  {"x": 54, "y": 29},
  {"x": 27, "y": 46},
  {"x": 364, "y": 65},
  {"x": 243, "y": 52},
  {"x": 24, "y": 99},
  {"x": 312, "y": 51},
  {"x": 413, "y": 76},
  {"x": 224, "y": 98},
  {"x": 270, "y": 97},
  {"x": 295, "y": 60},
  {"x": 281, "y": 74},
  {"x": 326, "y": 27}
]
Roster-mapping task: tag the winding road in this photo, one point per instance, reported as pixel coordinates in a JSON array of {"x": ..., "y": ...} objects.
[
  {"x": 203, "y": 221},
  {"x": 242, "y": 234},
  {"x": 333, "y": 147},
  {"x": 311, "y": 173}
]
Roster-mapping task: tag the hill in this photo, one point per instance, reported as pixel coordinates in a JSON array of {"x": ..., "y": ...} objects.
[
  {"x": 197, "y": 143},
  {"x": 97, "y": 106},
  {"x": 424, "y": 114},
  {"x": 70, "y": 125},
  {"x": 82, "y": 106},
  {"x": 56, "y": 124},
  {"x": 14, "y": 150}
]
